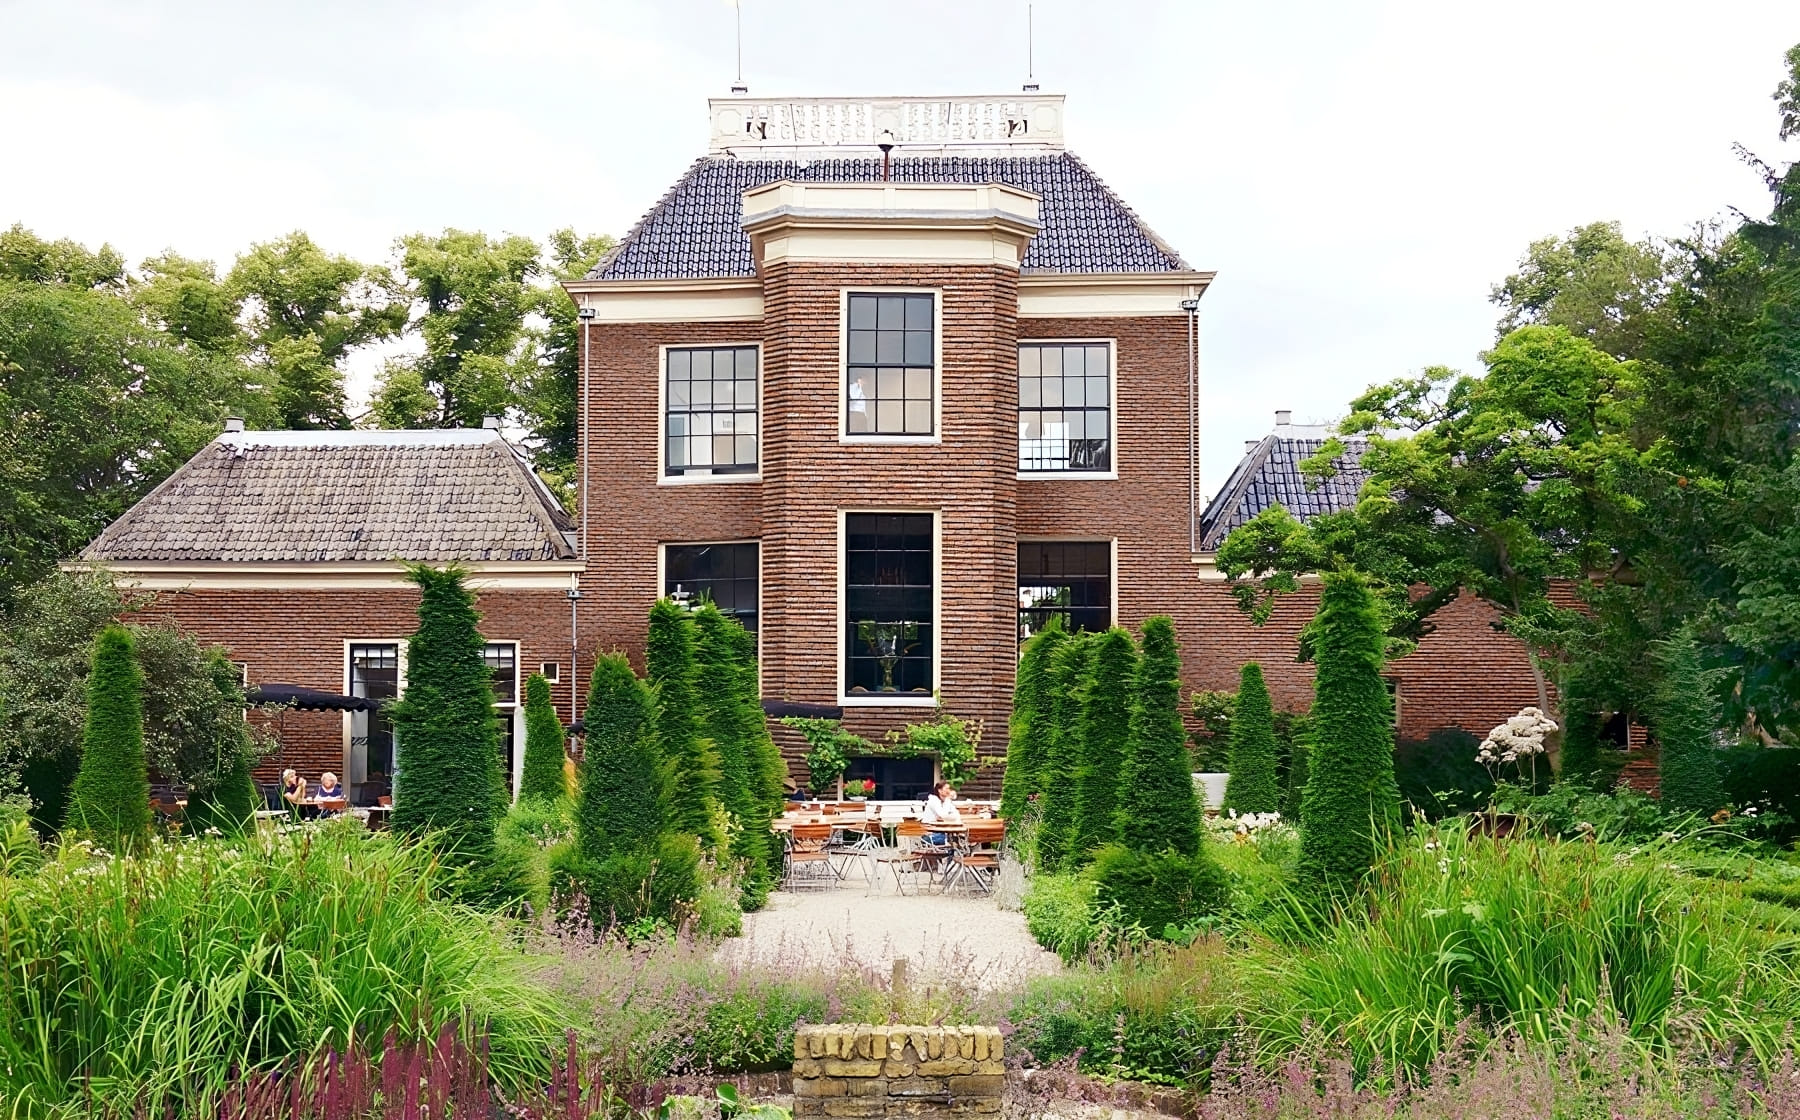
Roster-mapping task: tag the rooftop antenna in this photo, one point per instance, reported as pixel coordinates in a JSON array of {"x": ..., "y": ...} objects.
[
  {"x": 1031, "y": 85},
  {"x": 737, "y": 11}
]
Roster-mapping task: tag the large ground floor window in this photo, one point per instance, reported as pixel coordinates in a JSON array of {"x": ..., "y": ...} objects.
[
  {"x": 1068, "y": 579},
  {"x": 374, "y": 674},
  {"x": 896, "y": 779},
  {"x": 726, "y": 575},
  {"x": 889, "y": 610}
]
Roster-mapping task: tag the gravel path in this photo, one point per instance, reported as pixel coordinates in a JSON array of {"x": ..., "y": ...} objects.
[{"x": 966, "y": 937}]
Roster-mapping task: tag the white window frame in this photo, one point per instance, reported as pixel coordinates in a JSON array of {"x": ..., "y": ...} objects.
[
  {"x": 662, "y": 418},
  {"x": 1112, "y": 411},
  {"x": 937, "y": 371},
  {"x": 1067, "y": 538},
  {"x": 399, "y": 691},
  {"x": 515, "y": 713},
  {"x": 879, "y": 700}
]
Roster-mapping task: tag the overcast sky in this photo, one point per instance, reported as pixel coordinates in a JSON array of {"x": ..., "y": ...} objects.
[{"x": 1358, "y": 174}]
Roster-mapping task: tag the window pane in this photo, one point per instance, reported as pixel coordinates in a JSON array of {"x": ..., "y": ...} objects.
[
  {"x": 888, "y": 417},
  {"x": 890, "y": 346},
  {"x": 918, "y": 313},
  {"x": 1072, "y": 390},
  {"x": 1053, "y": 392},
  {"x": 724, "y": 574},
  {"x": 892, "y": 313},
  {"x": 918, "y": 348},
  {"x": 1029, "y": 360},
  {"x": 888, "y": 603},
  {"x": 862, "y": 347},
  {"x": 714, "y": 397},
  {"x": 890, "y": 383},
  {"x": 1028, "y": 393},
  {"x": 862, "y": 312},
  {"x": 890, "y": 354},
  {"x": 918, "y": 385},
  {"x": 918, "y": 418},
  {"x": 1072, "y": 580}
]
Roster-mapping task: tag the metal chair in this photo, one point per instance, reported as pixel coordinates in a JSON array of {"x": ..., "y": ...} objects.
[
  {"x": 911, "y": 855},
  {"x": 809, "y": 846},
  {"x": 977, "y": 861}
]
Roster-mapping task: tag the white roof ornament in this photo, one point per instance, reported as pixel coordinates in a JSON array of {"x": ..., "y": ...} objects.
[{"x": 787, "y": 127}]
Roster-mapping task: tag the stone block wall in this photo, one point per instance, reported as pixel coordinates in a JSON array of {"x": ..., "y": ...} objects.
[{"x": 860, "y": 1070}]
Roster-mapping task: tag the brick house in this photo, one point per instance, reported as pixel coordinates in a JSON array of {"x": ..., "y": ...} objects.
[{"x": 289, "y": 549}]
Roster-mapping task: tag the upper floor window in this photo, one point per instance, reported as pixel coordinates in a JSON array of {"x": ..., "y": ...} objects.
[
  {"x": 1065, "y": 406},
  {"x": 710, "y": 411},
  {"x": 890, "y": 364}
]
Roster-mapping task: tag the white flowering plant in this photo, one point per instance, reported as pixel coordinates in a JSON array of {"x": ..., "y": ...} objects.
[{"x": 1517, "y": 743}]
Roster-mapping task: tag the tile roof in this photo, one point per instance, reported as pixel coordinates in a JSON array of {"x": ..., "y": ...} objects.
[
  {"x": 462, "y": 494},
  {"x": 695, "y": 231},
  {"x": 1269, "y": 474}
]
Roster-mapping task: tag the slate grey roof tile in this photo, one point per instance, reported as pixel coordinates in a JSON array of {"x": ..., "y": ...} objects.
[
  {"x": 695, "y": 231},
  {"x": 317, "y": 497},
  {"x": 1269, "y": 474}
]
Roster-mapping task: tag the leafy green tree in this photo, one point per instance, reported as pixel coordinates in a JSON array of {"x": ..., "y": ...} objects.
[
  {"x": 621, "y": 799},
  {"x": 1593, "y": 283},
  {"x": 1352, "y": 797},
  {"x": 1686, "y": 715},
  {"x": 97, "y": 405},
  {"x": 692, "y": 764},
  {"x": 110, "y": 801},
  {"x": 1066, "y": 687},
  {"x": 307, "y": 311},
  {"x": 545, "y": 390},
  {"x": 447, "y": 777},
  {"x": 1031, "y": 728},
  {"x": 1253, "y": 785},
  {"x": 188, "y": 301},
  {"x": 541, "y": 776},
  {"x": 475, "y": 293},
  {"x": 1157, "y": 805},
  {"x": 1105, "y": 738}
]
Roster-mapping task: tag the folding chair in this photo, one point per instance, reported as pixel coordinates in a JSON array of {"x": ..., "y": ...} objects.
[
  {"x": 911, "y": 855},
  {"x": 809, "y": 846},
  {"x": 977, "y": 862}
]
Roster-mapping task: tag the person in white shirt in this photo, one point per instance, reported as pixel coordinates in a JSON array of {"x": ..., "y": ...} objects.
[{"x": 940, "y": 808}]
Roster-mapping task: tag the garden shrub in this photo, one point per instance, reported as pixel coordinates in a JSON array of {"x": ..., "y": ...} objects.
[
  {"x": 1159, "y": 1014},
  {"x": 1030, "y": 730},
  {"x": 620, "y": 802},
  {"x": 1154, "y": 890},
  {"x": 450, "y": 785},
  {"x": 110, "y": 801},
  {"x": 627, "y": 886},
  {"x": 691, "y": 761},
  {"x": 140, "y": 986},
  {"x": 1767, "y": 778},
  {"x": 1066, "y": 687},
  {"x": 1685, "y": 715},
  {"x": 1253, "y": 785},
  {"x": 524, "y": 841},
  {"x": 1157, "y": 805},
  {"x": 541, "y": 774},
  {"x": 1438, "y": 775},
  {"x": 1105, "y": 733},
  {"x": 1351, "y": 796},
  {"x": 1059, "y": 912},
  {"x": 228, "y": 803}
]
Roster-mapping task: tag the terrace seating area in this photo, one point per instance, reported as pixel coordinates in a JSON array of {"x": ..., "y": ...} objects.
[{"x": 886, "y": 847}]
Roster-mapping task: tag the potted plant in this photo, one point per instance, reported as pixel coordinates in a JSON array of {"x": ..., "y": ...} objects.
[{"x": 859, "y": 789}]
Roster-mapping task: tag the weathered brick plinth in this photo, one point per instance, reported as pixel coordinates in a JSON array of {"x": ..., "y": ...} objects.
[{"x": 849, "y": 1069}]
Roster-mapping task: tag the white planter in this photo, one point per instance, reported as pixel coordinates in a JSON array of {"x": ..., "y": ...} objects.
[{"x": 1210, "y": 788}]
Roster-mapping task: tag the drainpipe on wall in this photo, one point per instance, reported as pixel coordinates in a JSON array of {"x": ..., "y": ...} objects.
[
  {"x": 574, "y": 594},
  {"x": 1192, "y": 307},
  {"x": 585, "y": 317}
]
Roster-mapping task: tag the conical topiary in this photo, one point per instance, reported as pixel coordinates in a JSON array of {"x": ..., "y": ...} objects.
[
  {"x": 110, "y": 800},
  {"x": 1685, "y": 718},
  {"x": 1066, "y": 687},
  {"x": 1352, "y": 798},
  {"x": 619, "y": 805},
  {"x": 1105, "y": 736},
  {"x": 1157, "y": 806},
  {"x": 447, "y": 776},
  {"x": 692, "y": 766},
  {"x": 731, "y": 726},
  {"x": 1030, "y": 728},
  {"x": 541, "y": 774},
  {"x": 1253, "y": 785}
]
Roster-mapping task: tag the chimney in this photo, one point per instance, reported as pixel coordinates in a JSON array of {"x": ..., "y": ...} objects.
[
  {"x": 234, "y": 423},
  {"x": 491, "y": 421},
  {"x": 1283, "y": 417}
]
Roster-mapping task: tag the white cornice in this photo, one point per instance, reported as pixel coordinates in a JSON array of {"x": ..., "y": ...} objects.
[
  {"x": 1108, "y": 295},
  {"x": 220, "y": 575},
  {"x": 736, "y": 299},
  {"x": 889, "y": 223}
]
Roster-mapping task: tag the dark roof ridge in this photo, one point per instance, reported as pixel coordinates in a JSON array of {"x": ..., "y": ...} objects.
[
  {"x": 601, "y": 265},
  {"x": 1261, "y": 476},
  {"x": 1231, "y": 495}
]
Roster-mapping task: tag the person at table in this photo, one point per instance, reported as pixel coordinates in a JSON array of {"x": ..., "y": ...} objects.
[
  {"x": 940, "y": 808},
  {"x": 328, "y": 787},
  {"x": 293, "y": 787}
]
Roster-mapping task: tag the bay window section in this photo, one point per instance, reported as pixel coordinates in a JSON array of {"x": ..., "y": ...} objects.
[
  {"x": 1065, "y": 407},
  {"x": 725, "y": 575},
  {"x": 889, "y": 612},
  {"x": 710, "y": 412},
  {"x": 890, "y": 364},
  {"x": 1071, "y": 580}
]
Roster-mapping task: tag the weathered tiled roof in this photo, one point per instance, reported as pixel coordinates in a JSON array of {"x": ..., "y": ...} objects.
[
  {"x": 460, "y": 494},
  {"x": 696, "y": 230},
  {"x": 1269, "y": 474}
]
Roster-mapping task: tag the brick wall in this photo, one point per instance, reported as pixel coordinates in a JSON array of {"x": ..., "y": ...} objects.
[{"x": 295, "y": 636}]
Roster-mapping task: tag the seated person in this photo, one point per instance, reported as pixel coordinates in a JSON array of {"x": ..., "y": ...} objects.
[
  {"x": 940, "y": 808},
  {"x": 293, "y": 788},
  {"x": 328, "y": 786}
]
